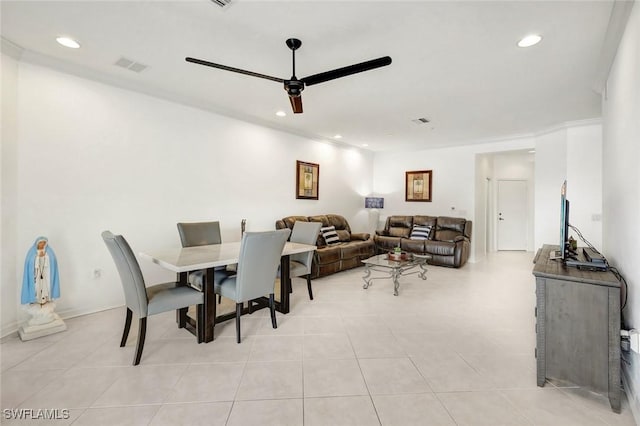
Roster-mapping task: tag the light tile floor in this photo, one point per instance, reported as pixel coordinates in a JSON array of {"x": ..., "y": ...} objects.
[{"x": 457, "y": 349}]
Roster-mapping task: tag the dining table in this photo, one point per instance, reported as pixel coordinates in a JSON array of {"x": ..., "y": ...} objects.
[{"x": 183, "y": 260}]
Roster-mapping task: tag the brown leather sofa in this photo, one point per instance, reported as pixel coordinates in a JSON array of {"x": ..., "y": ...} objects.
[
  {"x": 346, "y": 254},
  {"x": 448, "y": 243}
]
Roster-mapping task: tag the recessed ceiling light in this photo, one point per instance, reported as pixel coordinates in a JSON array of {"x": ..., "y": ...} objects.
[
  {"x": 281, "y": 114},
  {"x": 337, "y": 136},
  {"x": 530, "y": 40},
  {"x": 68, "y": 42}
]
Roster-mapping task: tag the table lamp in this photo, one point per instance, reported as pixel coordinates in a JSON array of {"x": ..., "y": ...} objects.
[{"x": 373, "y": 203}]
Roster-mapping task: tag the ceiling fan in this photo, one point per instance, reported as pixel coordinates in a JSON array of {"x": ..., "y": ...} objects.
[{"x": 295, "y": 86}]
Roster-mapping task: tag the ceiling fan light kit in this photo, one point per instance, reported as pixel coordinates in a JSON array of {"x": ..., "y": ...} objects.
[{"x": 295, "y": 86}]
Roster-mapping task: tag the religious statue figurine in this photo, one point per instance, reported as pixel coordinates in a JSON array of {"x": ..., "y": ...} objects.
[{"x": 40, "y": 286}]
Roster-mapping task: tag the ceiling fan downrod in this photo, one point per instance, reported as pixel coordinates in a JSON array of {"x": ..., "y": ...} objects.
[{"x": 294, "y": 87}]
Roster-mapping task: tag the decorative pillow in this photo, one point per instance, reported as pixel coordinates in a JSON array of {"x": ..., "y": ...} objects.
[
  {"x": 420, "y": 232},
  {"x": 330, "y": 235}
]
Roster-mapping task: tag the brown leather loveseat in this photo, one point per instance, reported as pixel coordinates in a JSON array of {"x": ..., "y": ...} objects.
[
  {"x": 346, "y": 254},
  {"x": 448, "y": 243}
]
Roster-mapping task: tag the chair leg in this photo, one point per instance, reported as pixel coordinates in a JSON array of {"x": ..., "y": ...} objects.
[
  {"x": 309, "y": 286},
  {"x": 182, "y": 317},
  {"x": 200, "y": 323},
  {"x": 272, "y": 309},
  {"x": 238, "y": 314},
  {"x": 127, "y": 326},
  {"x": 141, "y": 335}
]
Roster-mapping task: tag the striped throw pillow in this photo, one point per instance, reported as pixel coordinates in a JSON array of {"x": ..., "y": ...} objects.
[
  {"x": 420, "y": 232},
  {"x": 330, "y": 235}
]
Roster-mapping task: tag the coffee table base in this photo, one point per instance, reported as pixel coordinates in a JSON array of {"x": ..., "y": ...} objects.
[{"x": 393, "y": 272}]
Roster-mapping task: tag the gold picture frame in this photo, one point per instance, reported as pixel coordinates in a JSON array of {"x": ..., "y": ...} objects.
[
  {"x": 418, "y": 185},
  {"x": 307, "y": 179}
]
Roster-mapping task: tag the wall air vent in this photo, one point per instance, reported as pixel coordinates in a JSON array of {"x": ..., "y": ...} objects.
[
  {"x": 421, "y": 120},
  {"x": 131, "y": 65},
  {"x": 221, "y": 3}
]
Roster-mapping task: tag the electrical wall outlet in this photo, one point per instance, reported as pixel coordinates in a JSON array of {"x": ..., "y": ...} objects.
[{"x": 634, "y": 341}]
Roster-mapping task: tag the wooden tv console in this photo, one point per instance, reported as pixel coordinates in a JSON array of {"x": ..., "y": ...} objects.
[{"x": 577, "y": 326}]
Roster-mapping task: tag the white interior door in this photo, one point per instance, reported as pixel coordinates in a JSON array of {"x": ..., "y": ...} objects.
[{"x": 512, "y": 215}]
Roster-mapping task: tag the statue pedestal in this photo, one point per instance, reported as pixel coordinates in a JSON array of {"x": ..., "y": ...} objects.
[
  {"x": 29, "y": 332},
  {"x": 44, "y": 321}
]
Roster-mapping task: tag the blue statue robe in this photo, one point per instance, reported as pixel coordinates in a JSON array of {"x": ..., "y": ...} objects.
[{"x": 29, "y": 278}]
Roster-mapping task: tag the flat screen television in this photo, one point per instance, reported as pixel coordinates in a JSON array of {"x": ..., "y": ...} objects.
[{"x": 563, "y": 253}]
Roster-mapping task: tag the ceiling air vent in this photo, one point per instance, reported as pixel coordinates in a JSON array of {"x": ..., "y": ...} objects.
[
  {"x": 221, "y": 3},
  {"x": 421, "y": 120},
  {"x": 131, "y": 65}
]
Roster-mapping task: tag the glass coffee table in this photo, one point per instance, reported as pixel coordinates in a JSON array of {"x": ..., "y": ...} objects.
[{"x": 394, "y": 269}]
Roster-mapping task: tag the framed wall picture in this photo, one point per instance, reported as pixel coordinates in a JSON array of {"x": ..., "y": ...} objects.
[
  {"x": 307, "y": 178},
  {"x": 418, "y": 185}
]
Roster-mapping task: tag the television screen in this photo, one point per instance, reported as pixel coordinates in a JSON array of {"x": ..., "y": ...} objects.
[
  {"x": 562, "y": 252},
  {"x": 564, "y": 220}
]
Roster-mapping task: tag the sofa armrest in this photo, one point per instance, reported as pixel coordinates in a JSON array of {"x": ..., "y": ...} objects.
[{"x": 364, "y": 236}]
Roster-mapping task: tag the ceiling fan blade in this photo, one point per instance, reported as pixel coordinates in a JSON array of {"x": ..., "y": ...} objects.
[
  {"x": 238, "y": 70},
  {"x": 296, "y": 104},
  {"x": 345, "y": 71}
]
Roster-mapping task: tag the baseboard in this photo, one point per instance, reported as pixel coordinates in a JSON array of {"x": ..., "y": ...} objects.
[
  {"x": 68, "y": 314},
  {"x": 630, "y": 388},
  {"x": 72, "y": 313},
  {"x": 9, "y": 329}
]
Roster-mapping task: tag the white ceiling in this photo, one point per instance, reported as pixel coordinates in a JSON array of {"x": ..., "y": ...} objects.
[{"x": 454, "y": 62}]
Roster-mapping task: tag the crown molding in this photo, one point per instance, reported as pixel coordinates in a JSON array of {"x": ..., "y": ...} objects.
[
  {"x": 569, "y": 125},
  {"x": 11, "y": 49}
]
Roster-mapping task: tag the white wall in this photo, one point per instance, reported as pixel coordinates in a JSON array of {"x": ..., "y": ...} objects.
[
  {"x": 584, "y": 182},
  {"x": 621, "y": 182},
  {"x": 93, "y": 157},
  {"x": 8, "y": 168},
  {"x": 452, "y": 177},
  {"x": 573, "y": 154},
  {"x": 481, "y": 228},
  {"x": 550, "y": 171}
]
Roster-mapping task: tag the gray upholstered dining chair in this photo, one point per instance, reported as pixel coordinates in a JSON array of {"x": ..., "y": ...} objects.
[
  {"x": 201, "y": 234},
  {"x": 260, "y": 254},
  {"x": 300, "y": 264},
  {"x": 145, "y": 301}
]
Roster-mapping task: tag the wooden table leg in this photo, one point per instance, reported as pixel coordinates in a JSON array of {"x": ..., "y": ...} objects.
[
  {"x": 181, "y": 314},
  {"x": 285, "y": 284},
  {"x": 209, "y": 306}
]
